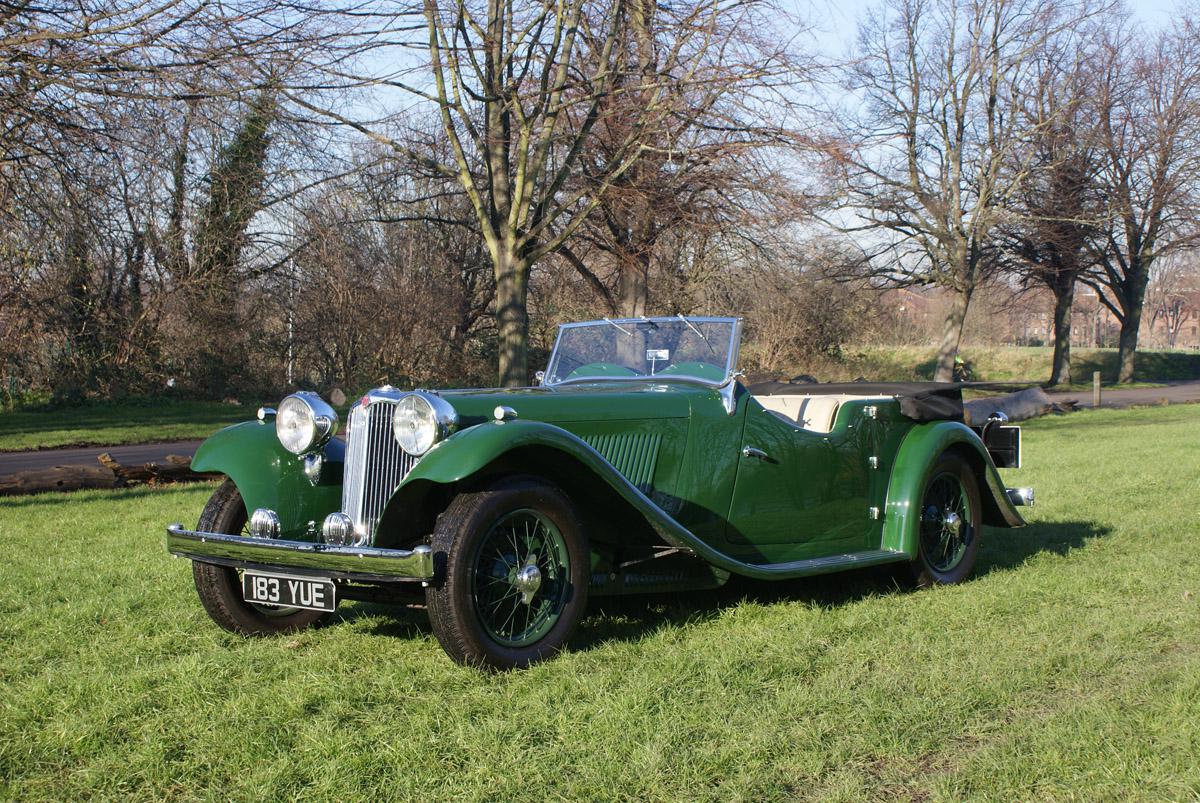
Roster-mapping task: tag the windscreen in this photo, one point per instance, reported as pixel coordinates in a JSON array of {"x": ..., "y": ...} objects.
[{"x": 693, "y": 348}]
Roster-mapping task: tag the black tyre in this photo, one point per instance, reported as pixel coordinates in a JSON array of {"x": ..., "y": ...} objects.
[
  {"x": 220, "y": 587},
  {"x": 514, "y": 567},
  {"x": 950, "y": 526}
]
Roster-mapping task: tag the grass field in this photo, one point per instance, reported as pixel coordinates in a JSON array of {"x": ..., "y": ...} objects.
[
  {"x": 116, "y": 423},
  {"x": 1068, "y": 669}
]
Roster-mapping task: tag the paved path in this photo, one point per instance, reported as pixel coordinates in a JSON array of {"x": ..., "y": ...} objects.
[
  {"x": 1174, "y": 393},
  {"x": 12, "y": 462}
]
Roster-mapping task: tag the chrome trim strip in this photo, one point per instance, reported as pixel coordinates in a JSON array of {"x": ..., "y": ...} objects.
[
  {"x": 645, "y": 380},
  {"x": 392, "y": 564}
]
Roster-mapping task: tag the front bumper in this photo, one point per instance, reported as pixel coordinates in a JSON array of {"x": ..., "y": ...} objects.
[{"x": 326, "y": 560}]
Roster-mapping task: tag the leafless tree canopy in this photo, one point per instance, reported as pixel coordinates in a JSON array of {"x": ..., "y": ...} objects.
[
  {"x": 1146, "y": 104},
  {"x": 929, "y": 162},
  {"x": 235, "y": 198}
]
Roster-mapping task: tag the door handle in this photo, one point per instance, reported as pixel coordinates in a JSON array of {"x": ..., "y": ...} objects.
[{"x": 750, "y": 451}]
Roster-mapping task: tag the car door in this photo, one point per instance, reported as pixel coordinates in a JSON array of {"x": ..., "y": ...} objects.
[{"x": 799, "y": 487}]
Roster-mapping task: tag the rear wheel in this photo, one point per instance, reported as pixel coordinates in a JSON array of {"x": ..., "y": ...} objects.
[
  {"x": 950, "y": 524},
  {"x": 516, "y": 566},
  {"x": 220, "y": 587}
]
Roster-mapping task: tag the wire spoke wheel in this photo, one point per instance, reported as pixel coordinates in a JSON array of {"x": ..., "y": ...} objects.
[
  {"x": 946, "y": 516},
  {"x": 514, "y": 570},
  {"x": 948, "y": 530},
  {"x": 521, "y": 572}
]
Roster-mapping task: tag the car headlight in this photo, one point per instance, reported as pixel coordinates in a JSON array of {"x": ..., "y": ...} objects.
[
  {"x": 421, "y": 420},
  {"x": 304, "y": 422}
]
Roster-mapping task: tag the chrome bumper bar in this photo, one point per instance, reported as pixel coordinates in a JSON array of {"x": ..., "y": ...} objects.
[{"x": 367, "y": 563}]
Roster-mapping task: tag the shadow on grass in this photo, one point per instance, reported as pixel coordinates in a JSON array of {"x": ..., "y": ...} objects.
[
  {"x": 636, "y": 616},
  {"x": 1007, "y": 549}
]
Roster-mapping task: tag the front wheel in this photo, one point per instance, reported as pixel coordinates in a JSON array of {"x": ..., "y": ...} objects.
[
  {"x": 516, "y": 565},
  {"x": 220, "y": 587},
  {"x": 949, "y": 528}
]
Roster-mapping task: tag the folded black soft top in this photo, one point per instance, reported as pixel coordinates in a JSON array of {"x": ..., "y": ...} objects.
[{"x": 920, "y": 401}]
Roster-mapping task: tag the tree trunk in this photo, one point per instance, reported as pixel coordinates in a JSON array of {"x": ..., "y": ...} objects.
[
  {"x": 1127, "y": 344},
  {"x": 1064, "y": 299},
  {"x": 952, "y": 330},
  {"x": 512, "y": 317},
  {"x": 631, "y": 286},
  {"x": 631, "y": 302},
  {"x": 1138, "y": 277}
]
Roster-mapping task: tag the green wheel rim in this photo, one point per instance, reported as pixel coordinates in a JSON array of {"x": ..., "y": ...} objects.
[
  {"x": 510, "y": 613},
  {"x": 946, "y": 523}
]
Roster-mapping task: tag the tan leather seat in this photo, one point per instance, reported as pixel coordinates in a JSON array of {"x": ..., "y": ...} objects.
[{"x": 816, "y": 413}]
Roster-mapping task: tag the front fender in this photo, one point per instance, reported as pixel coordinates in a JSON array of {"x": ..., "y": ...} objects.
[
  {"x": 267, "y": 475},
  {"x": 465, "y": 453},
  {"x": 914, "y": 460}
]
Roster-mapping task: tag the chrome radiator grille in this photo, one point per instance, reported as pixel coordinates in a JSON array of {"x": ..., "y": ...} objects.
[{"x": 375, "y": 465}]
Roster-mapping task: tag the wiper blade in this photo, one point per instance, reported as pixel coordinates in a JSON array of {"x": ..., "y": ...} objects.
[
  {"x": 620, "y": 328},
  {"x": 692, "y": 326}
]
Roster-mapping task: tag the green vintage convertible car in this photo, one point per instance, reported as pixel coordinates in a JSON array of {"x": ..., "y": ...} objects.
[{"x": 640, "y": 463}]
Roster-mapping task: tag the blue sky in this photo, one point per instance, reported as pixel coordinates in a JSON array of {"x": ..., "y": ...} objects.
[{"x": 836, "y": 20}]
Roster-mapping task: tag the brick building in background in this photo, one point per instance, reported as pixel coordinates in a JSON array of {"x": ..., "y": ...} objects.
[{"x": 1000, "y": 317}]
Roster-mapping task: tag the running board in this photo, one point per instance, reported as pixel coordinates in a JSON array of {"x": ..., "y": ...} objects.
[{"x": 830, "y": 563}]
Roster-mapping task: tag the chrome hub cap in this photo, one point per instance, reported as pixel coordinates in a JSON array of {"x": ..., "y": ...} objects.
[
  {"x": 521, "y": 578},
  {"x": 952, "y": 522},
  {"x": 528, "y": 581}
]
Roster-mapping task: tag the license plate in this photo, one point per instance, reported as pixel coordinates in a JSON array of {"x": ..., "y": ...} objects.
[{"x": 288, "y": 592}]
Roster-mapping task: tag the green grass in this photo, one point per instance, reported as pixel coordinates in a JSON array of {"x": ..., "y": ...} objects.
[
  {"x": 1004, "y": 364},
  {"x": 116, "y": 423},
  {"x": 1069, "y": 668}
]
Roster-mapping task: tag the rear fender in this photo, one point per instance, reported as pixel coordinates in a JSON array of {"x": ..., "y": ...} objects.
[
  {"x": 919, "y": 450},
  {"x": 267, "y": 475}
]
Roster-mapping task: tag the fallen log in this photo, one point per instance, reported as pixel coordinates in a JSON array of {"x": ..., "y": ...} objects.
[
  {"x": 177, "y": 468},
  {"x": 109, "y": 474},
  {"x": 59, "y": 478}
]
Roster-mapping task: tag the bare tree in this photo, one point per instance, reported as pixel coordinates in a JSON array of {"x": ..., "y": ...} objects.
[
  {"x": 1170, "y": 295},
  {"x": 1059, "y": 203},
  {"x": 1146, "y": 105},
  {"x": 929, "y": 166},
  {"x": 521, "y": 90},
  {"x": 710, "y": 166}
]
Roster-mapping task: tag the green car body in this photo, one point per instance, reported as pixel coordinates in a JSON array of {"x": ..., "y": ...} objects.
[{"x": 676, "y": 485}]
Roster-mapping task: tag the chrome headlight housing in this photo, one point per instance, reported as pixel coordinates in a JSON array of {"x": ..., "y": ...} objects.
[
  {"x": 422, "y": 420},
  {"x": 304, "y": 422}
]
